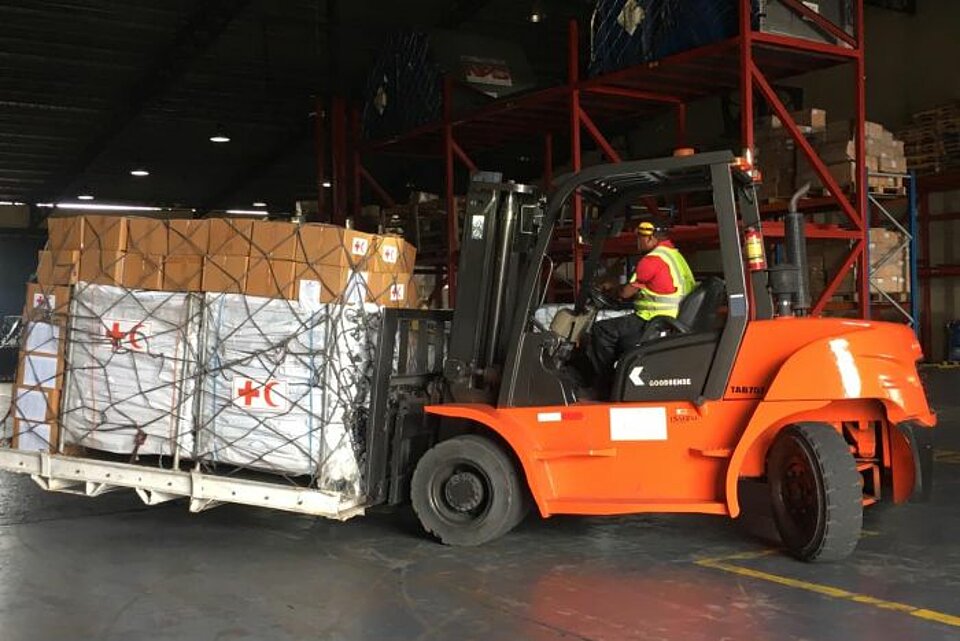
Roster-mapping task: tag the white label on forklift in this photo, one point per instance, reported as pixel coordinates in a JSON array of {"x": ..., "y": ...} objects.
[
  {"x": 476, "y": 227},
  {"x": 638, "y": 423},
  {"x": 549, "y": 417}
]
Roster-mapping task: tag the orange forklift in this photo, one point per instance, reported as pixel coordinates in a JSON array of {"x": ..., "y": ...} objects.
[{"x": 743, "y": 384}]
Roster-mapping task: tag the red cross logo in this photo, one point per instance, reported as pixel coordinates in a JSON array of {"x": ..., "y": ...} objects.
[
  {"x": 359, "y": 246},
  {"x": 390, "y": 254},
  {"x": 40, "y": 300},
  {"x": 251, "y": 395},
  {"x": 115, "y": 335},
  {"x": 135, "y": 336},
  {"x": 247, "y": 393}
]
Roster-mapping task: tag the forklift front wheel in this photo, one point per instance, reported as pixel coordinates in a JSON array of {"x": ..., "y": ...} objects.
[
  {"x": 816, "y": 492},
  {"x": 466, "y": 491}
]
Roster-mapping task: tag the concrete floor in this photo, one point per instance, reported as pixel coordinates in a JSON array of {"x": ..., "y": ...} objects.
[{"x": 112, "y": 569}]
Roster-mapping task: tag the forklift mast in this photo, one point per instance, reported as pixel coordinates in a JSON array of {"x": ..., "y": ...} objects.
[{"x": 499, "y": 234}]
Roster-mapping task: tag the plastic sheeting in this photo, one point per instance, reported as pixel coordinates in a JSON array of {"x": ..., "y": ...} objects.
[
  {"x": 130, "y": 382},
  {"x": 283, "y": 387}
]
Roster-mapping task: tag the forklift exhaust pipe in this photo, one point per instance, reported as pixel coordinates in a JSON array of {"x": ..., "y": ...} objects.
[{"x": 795, "y": 239}]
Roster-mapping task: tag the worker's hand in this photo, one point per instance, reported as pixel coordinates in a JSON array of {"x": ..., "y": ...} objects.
[{"x": 629, "y": 291}]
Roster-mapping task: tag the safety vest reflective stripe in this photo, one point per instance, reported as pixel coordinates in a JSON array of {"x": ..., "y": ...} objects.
[{"x": 650, "y": 303}]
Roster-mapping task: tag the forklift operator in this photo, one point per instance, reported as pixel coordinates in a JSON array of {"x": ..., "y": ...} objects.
[{"x": 661, "y": 280}]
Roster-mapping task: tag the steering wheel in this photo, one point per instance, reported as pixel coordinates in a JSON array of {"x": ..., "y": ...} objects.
[{"x": 603, "y": 300}]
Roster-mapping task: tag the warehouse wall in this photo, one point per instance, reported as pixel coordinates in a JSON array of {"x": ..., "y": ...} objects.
[
  {"x": 18, "y": 260},
  {"x": 944, "y": 292},
  {"x": 910, "y": 65}
]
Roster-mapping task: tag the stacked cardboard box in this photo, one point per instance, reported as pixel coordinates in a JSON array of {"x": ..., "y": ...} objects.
[
  {"x": 785, "y": 168},
  {"x": 837, "y": 148},
  {"x": 41, "y": 368},
  {"x": 253, "y": 257},
  {"x": 889, "y": 264}
]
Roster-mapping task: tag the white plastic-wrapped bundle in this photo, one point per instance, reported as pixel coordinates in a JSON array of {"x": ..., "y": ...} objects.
[
  {"x": 282, "y": 385},
  {"x": 130, "y": 381},
  {"x": 545, "y": 313}
]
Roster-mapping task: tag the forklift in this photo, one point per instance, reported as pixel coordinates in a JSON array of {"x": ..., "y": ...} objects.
[{"x": 480, "y": 413}]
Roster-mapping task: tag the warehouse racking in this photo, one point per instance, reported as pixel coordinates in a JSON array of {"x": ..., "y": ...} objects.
[{"x": 748, "y": 64}]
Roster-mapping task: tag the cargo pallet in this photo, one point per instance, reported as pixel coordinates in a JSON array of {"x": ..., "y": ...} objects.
[{"x": 91, "y": 477}]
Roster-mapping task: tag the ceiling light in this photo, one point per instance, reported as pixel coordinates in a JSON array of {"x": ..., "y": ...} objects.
[
  {"x": 45, "y": 205},
  {"x": 139, "y": 172},
  {"x": 246, "y": 212},
  {"x": 259, "y": 203},
  {"x": 85, "y": 196},
  {"x": 536, "y": 17},
  {"x": 220, "y": 136},
  {"x": 327, "y": 184},
  {"x": 105, "y": 207}
]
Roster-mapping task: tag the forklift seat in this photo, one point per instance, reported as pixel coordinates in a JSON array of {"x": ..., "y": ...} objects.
[{"x": 698, "y": 313}]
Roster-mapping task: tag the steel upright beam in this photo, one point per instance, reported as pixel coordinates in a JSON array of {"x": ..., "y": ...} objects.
[
  {"x": 338, "y": 143},
  {"x": 573, "y": 78},
  {"x": 320, "y": 138},
  {"x": 863, "y": 205},
  {"x": 449, "y": 197}
]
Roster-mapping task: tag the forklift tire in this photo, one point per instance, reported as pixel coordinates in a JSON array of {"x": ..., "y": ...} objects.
[
  {"x": 816, "y": 492},
  {"x": 466, "y": 491}
]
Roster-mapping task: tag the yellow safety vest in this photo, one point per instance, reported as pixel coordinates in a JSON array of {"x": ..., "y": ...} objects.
[{"x": 650, "y": 303}]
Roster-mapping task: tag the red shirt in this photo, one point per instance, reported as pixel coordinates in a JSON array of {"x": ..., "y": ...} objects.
[{"x": 654, "y": 274}]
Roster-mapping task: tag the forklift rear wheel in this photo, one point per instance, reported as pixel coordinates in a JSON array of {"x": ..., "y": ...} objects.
[
  {"x": 816, "y": 492},
  {"x": 466, "y": 491}
]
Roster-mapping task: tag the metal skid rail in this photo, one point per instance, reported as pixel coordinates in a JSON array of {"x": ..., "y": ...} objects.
[{"x": 90, "y": 477}]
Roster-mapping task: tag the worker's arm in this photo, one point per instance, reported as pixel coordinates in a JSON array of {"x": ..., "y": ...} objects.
[
  {"x": 629, "y": 290},
  {"x": 646, "y": 271}
]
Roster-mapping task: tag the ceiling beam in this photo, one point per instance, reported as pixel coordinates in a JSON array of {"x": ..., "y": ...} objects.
[{"x": 200, "y": 30}]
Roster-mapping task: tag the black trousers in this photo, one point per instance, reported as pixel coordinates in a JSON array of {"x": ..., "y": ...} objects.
[{"x": 610, "y": 339}]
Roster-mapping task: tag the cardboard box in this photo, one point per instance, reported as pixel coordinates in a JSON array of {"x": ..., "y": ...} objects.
[
  {"x": 389, "y": 290},
  {"x": 49, "y": 302},
  {"x": 393, "y": 255},
  {"x": 43, "y": 337},
  {"x": 101, "y": 267},
  {"x": 183, "y": 273},
  {"x": 58, "y": 268},
  {"x": 187, "y": 237},
  {"x": 334, "y": 246},
  {"x": 32, "y": 436},
  {"x": 104, "y": 233},
  {"x": 143, "y": 271},
  {"x": 275, "y": 240},
  {"x": 272, "y": 278},
  {"x": 65, "y": 233},
  {"x": 147, "y": 236},
  {"x": 809, "y": 119},
  {"x": 225, "y": 273},
  {"x": 40, "y": 370},
  {"x": 36, "y": 404},
  {"x": 230, "y": 237},
  {"x": 316, "y": 284}
]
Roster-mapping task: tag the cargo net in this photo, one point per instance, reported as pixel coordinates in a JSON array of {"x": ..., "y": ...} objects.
[{"x": 229, "y": 382}]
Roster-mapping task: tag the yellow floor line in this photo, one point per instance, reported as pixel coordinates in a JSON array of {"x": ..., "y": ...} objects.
[
  {"x": 947, "y": 456},
  {"x": 826, "y": 590}
]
